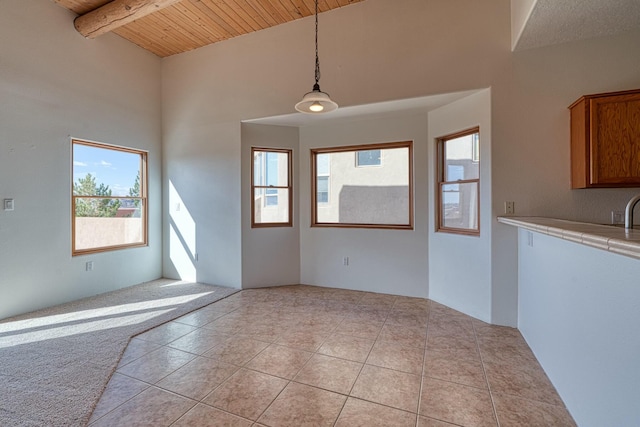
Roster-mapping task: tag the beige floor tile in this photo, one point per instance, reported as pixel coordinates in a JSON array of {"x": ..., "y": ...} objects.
[
  {"x": 199, "y": 341},
  {"x": 442, "y": 366},
  {"x": 438, "y": 309},
  {"x": 516, "y": 412},
  {"x": 198, "y": 378},
  {"x": 263, "y": 330},
  {"x": 201, "y": 317},
  {"x": 281, "y": 361},
  {"x": 408, "y": 318},
  {"x": 152, "y": 407},
  {"x": 524, "y": 380},
  {"x": 316, "y": 324},
  {"x": 275, "y": 333},
  {"x": 206, "y": 416},
  {"x": 302, "y": 340},
  {"x": 237, "y": 350},
  {"x": 329, "y": 373},
  {"x": 511, "y": 351},
  {"x": 456, "y": 403},
  {"x": 410, "y": 303},
  {"x": 508, "y": 356},
  {"x": 451, "y": 327},
  {"x": 372, "y": 312},
  {"x": 166, "y": 333},
  {"x": 349, "y": 296},
  {"x": 484, "y": 330},
  {"x": 403, "y": 358},
  {"x": 136, "y": 349},
  {"x": 414, "y": 336},
  {"x": 230, "y": 324},
  {"x": 303, "y": 406},
  {"x": 430, "y": 422},
  {"x": 359, "y": 413},
  {"x": 347, "y": 347},
  {"x": 387, "y": 387},
  {"x": 119, "y": 389},
  {"x": 379, "y": 300},
  {"x": 156, "y": 365},
  {"x": 360, "y": 328},
  {"x": 456, "y": 347},
  {"x": 246, "y": 393}
]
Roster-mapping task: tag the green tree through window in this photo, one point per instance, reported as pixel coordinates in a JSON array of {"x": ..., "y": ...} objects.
[{"x": 86, "y": 207}]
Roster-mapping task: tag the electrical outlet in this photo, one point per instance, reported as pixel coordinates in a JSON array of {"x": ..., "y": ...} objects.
[
  {"x": 345, "y": 260},
  {"x": 529, "y": 238},
  {"x": 509, "y": 208},
  {"x": 89, "y": 266},
  {"x": 617, "y": 217},
  {"x": 8, "y": 204}
]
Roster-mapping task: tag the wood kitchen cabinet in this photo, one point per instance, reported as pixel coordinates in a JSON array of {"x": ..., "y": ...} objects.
[{"x": 605, "y": 140}]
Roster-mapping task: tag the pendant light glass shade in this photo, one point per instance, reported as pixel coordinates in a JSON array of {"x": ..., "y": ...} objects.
[{"x": 316, "y": 101}]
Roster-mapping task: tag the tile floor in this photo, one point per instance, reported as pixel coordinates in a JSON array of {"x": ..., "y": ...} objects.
[{"x": 309, "y": 356}]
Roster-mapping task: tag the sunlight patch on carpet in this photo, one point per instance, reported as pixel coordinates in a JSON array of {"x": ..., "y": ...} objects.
[{"x": 69, "y": 324}]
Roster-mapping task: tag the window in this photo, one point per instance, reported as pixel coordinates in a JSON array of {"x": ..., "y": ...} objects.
[
  {"x": 348, "y": 195},
  {"x": 323, "y": 174},
  {"x": 368, "y": 158},
  {"x": 459, "y": 183},
  {"x": 109, "y": 197},
  {"x": 271, "y": 203}
]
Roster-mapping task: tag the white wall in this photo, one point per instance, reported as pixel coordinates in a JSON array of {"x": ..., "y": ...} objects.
[
  {"x": 388, "y": 261},
  {"x": 270, "y": 255},
  {"x": 54, "y": 84},
  {"x": 459, "y": 265},
  {"x": 579, "y": 310},
  {"x": 201, "y": 187},
  {"x": 208, "y": 92}
]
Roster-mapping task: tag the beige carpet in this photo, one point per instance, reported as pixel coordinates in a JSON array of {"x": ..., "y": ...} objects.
[{"x": 55, "y": 363}]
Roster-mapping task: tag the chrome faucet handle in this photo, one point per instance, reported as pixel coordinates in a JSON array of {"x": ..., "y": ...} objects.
[{"x": 628, "y": 212}]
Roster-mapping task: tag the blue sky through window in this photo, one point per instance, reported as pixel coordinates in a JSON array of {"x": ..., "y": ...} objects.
[{"x": 117, "y": 169}]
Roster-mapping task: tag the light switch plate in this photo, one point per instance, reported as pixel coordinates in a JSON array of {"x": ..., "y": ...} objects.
[{"x": 8, "y": 204}]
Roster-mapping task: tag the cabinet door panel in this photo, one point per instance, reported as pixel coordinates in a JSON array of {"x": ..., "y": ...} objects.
[
  {"x": 633, "y": 123},
  {"x": 615, "y": 140}
]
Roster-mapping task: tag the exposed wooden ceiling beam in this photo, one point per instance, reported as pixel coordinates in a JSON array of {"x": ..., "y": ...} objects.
[{"x": 116, "y": 14}]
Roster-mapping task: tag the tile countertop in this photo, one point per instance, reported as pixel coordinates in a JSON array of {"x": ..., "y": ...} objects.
[{"x": 607, "y": 237}]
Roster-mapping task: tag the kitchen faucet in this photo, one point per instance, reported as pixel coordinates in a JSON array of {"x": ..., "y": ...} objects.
[{"x": 628, "y": 213}]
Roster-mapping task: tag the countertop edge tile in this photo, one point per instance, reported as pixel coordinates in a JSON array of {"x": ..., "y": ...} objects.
[{"x": 605, "y": 237}]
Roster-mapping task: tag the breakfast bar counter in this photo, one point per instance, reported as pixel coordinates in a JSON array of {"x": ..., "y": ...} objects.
[{"x": 606, "y": 237}]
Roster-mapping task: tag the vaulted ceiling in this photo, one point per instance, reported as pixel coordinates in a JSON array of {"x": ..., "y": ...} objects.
[{"x": 168, "y": 27}]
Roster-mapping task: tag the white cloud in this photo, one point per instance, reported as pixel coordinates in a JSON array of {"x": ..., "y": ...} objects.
[
  {"x": 77, "y": 163},
  {"x": 119, "y": 190},
  {"x": 105, "y": 164}
]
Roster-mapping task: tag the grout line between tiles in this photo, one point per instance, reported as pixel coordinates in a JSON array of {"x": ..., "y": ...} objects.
[{"x": 486, "y": 377}]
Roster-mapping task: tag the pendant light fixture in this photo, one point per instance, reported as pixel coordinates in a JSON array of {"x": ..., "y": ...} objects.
[{"x": 316, "y": 101}]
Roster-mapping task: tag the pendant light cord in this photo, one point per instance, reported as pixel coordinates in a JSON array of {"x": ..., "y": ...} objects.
[{"x": 317, "y": 58}]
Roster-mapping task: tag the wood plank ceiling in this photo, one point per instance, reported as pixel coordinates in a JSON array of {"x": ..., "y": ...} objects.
[{"x": 190, "y": 24}]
